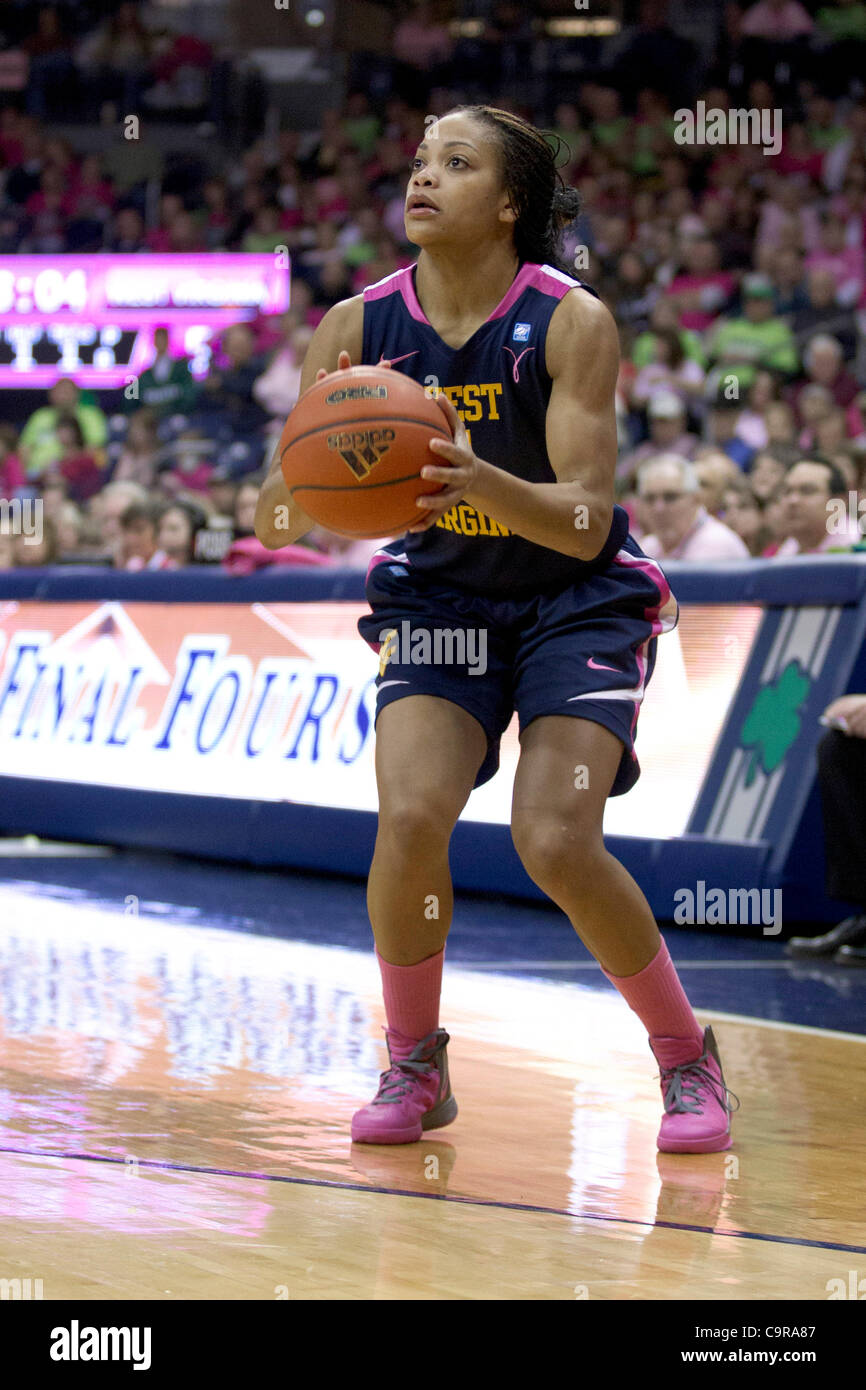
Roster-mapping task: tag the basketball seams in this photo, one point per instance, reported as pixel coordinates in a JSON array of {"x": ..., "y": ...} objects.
[{"x": 339, "y": 425}]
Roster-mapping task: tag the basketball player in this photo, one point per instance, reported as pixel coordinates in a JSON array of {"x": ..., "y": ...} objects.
[{"x": 526, "y": 546}]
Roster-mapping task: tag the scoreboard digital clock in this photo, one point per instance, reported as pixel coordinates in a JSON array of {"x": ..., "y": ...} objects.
[{"x": 92, "y": 317}]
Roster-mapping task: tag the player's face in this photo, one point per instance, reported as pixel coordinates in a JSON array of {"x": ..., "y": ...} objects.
[{"x": 456, "y": 172}]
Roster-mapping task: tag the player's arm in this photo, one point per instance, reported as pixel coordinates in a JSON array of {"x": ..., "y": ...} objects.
[
  {"x": 572, "y": 515},
  {"x": 340, "y": 331}
]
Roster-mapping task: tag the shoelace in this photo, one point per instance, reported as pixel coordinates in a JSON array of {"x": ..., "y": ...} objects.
[
  {"x": 683, "y": 1083},
  {"x": 398, "y": 1079}
]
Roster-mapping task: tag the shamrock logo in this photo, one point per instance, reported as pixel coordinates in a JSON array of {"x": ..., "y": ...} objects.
[{"x": 773, "y": 723}]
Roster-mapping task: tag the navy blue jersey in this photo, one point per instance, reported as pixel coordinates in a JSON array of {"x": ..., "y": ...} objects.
[{"x": 500, "y": 386}]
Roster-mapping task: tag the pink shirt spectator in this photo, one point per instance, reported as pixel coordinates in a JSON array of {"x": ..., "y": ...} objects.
[
  {"x": 11, "y": 475},
  {"x": 709, "y": 539},
  {"x": 840, "y": 541},
  {"x": 773, "y": 218},
  {"x": 846, "y": 267},
  {"x": 703, "y": 297},
  {"x": 765, "y": 21},
  {"x": 421, "y": 45}
]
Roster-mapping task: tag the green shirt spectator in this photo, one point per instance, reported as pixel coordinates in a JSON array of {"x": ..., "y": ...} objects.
[
  {"x": 166, "y": 387},
  {"x": 849, "y": 22},
  {"x": 740, "y": 347},
  {"x": 643, "y": 352},
  {"x": 39, "y": 445}
]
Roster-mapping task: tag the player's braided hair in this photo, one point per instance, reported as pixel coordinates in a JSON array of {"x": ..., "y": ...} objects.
[{"x": 543, "y": 203}]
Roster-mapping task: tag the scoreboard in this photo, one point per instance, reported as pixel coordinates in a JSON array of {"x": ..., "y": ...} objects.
[{"x": 92, "y": 317}]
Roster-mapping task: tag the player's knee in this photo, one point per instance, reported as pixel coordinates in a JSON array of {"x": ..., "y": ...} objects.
[
  {"x": 415, "y": 819},
  {"x": 552, "y": 851}
]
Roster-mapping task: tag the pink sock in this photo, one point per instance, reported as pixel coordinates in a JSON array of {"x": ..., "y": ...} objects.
[
  {"x": 659, "y": 1000},
  {"x": 411, "y": 994}
]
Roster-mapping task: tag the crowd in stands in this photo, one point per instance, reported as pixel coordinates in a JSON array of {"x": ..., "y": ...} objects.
[{"x": 737, "y": 276}]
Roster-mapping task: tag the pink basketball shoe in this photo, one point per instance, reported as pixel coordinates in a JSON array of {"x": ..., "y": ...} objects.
[
  {"x": 414, "y": 1093},
  {"x": 697, "y": 1113}
]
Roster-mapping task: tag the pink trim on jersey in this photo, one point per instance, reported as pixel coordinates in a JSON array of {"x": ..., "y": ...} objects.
[
  {"x": 383, "y": 557},
  {"x": 400, "y": 282},
  {"x": 529, "y": 276},
  {"x": 661, "y": 621},
  {"x": 538, "y": 277}
]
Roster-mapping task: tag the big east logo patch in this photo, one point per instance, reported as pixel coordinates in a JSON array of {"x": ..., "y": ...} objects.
[{"x": 361, "y": 449}]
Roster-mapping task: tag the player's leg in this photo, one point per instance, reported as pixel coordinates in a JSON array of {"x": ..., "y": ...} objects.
[
  {"x": 428, "y": 753},
  {"x": 566, "y": 770}
]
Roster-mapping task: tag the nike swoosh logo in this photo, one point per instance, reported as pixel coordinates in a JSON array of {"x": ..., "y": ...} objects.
[
  {"x": 392, "y": 360},
  {"x": 384, "y": 683},
  {"x": 597, "y": 666}
]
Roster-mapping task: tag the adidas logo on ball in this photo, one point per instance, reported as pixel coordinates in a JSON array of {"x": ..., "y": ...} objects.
[
  {"x": 361, "y": 449},
  {"x": 357, "y": 393}
]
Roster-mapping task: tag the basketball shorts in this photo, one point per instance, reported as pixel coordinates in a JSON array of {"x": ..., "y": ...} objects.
[{"x": 587, "y": 651}]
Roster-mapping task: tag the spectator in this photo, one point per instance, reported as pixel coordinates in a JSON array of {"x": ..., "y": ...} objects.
[
  {"x": 139, "y": 455},
  {"x": 806, "y": 493},
  {"x": 421, "y": 48},
  {"x": 670, "y": 372},
  {"x": 80, "y": 467},
  {"x": 824, "y": 314},
  {"x": 226, "y": 395},
  {"x": 715, "y": 473},
  {"x": 126, "y": 234},
  {"x": 11, "y": 472},
  {"x": 702, "y": 291},
  {"x": 723, "y": 429},
  {"x": 34, "y": 552},
  {"x": 781, "y": 423},
  {"x": 842, "y": 261},
  {"x": 138, "y": 548},
  {"x": 752, "y": 425},
  {"x": 266, "y": 232},
  {"x": 221, "y": 494},
  {"x": 740, "y": 346},
  {"x": 742, "y": 512},
  {"x": 50, "y": 81},
  {"x": 768, "y": 468},
  {"x": 115, "y": 59},
  {"x": 108, "y": 506},
  {"x": 179, "y": 525},
  {"x": 824, "y": 361},
  {"x": 40, "y": 447},
  {"x": 69, "y": 524},
  {"x": 278, "y": 387},
  {"x": 166, "y": 386},
  {"x": 666, "y": 416},
  {"x": 246, "y": 498},
  {"x": 777, "y": 20},
  {"x": 789, "y": 283},
  {"x": 680, "y": 527}
]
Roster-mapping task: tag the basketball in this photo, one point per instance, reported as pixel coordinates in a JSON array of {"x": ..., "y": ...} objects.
[{"x": 353, "y": 448}]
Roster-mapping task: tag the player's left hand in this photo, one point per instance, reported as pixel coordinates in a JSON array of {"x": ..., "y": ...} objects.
[{"x": 458, "y": 470}]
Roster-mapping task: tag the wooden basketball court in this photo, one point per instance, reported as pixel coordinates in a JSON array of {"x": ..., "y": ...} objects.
[{"x": 174, "y": 1124}]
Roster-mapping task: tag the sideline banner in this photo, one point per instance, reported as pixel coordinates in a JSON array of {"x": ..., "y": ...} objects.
[{"x": 272, "y": 701}]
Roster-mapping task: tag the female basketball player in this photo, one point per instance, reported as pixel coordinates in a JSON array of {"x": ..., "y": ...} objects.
[{"x": 526, "y": 546}]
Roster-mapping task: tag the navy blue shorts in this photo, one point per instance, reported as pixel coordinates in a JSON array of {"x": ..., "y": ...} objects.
[{"x": 587, "y": 650}]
